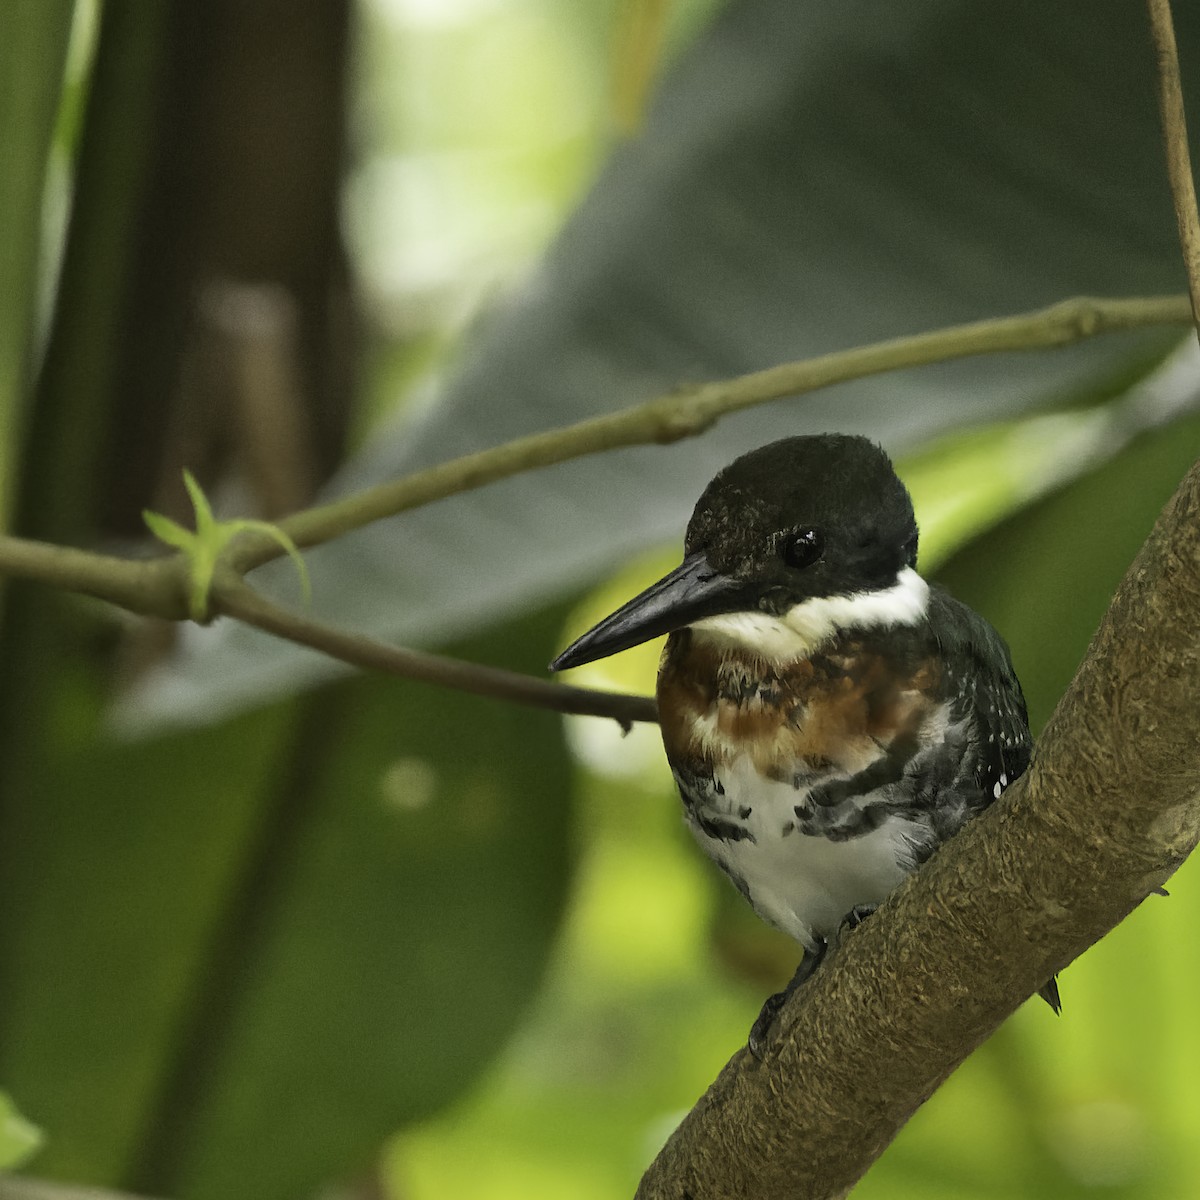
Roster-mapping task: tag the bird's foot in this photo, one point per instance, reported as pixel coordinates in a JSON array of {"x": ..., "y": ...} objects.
[
  {"x": 811, "y": 960},
  {"x": 854, "y": 918},
  {"x": 757, "y": 1042}
]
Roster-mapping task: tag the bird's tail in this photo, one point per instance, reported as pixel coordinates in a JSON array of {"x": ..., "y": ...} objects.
[{"x": 1049, "y": 993}]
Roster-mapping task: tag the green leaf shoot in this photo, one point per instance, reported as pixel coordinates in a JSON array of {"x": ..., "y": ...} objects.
[{"x": 203, "y": 547}]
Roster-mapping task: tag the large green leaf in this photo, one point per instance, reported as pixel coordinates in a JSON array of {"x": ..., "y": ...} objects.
[
  {"x": 119, "y": 866},
  {"x": 811, "y": 176},
  {"x": 416, "y": 907},
  {"x": 237, "y": 958}
]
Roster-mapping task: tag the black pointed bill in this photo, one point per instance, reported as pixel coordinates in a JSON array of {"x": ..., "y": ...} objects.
[{"x": 692, "y": 591}]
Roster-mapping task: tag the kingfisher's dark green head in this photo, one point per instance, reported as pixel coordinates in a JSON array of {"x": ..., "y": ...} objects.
[{"x": 787, "y": 544}]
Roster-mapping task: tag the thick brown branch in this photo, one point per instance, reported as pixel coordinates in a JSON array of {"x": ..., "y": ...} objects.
[{"x": 1109, "y": 808}]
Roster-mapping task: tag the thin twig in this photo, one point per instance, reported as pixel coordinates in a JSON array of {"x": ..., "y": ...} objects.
[
  {"x": 686, "y": 413},
  {"x": 1175, "y": 144},
  {"x": 159, "y": 587},
  {"x": 234, "y": 598},
  {"x": 154, "y": 587}
]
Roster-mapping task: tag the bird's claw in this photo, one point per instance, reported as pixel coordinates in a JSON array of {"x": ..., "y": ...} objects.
[
  {"x": 854, "y": 918},
  {"x": 757, "y": 1041}
]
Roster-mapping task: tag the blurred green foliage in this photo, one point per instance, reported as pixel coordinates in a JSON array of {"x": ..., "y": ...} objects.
[
  {"x": 238, "y": 957},
  {"x": 19, "y": 1139}
]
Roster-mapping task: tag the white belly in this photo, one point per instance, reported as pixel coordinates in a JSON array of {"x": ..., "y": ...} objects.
[{"x": 801, "y": 884}]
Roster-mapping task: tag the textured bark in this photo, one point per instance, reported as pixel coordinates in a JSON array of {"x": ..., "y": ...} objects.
[{"x": 1107, "y": 811}]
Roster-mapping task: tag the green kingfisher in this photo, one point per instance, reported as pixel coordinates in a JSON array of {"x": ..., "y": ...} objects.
[{"x": 829, "y": 717}]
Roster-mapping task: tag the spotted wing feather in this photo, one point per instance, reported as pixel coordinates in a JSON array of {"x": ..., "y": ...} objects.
[{"x": 982, "y": 684}]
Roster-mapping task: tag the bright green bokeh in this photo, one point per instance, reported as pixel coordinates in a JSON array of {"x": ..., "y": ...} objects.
[{"x": 19, "y": 1139}]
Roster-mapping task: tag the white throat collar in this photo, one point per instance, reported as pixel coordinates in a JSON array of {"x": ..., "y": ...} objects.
[{"x": 809, "y": 625}]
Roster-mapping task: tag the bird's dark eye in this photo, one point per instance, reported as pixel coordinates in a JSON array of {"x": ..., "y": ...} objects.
[{"x": 802, "y": 547}]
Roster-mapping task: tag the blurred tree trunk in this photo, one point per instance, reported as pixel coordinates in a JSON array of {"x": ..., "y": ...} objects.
[
  {"x": 242, "y": 193},
  {"x": 211, "y": 156}
]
